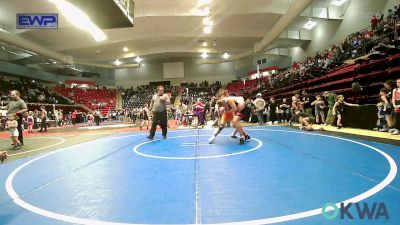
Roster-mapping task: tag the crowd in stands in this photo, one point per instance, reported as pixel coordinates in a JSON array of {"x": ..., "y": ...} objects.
[
  {"x": 376, "y": 42},
  {"x": 381, "y": 34},
  {"x": 32, "y": 92},
  {"x": 48, "y": 108},
  {"x": 92, "y": 98}
]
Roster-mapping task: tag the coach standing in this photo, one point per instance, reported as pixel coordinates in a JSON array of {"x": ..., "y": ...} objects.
[
  {"x": 17, "y": 106},
  {"x": 158, "y": 107}
]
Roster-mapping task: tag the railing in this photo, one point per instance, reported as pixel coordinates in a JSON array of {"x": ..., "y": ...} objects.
[
  {"x": 48, "y": 104},
  {"x": 62, "y": 106},
  {"x": 86, "y": 108}
]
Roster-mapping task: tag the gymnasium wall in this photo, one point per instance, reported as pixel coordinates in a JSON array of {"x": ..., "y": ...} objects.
[
  {"x": 327, "y": 32},
  {"x": 153, "y": 71}
]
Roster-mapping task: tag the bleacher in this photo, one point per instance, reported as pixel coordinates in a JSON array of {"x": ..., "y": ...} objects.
[
  {"x": 100, "y": 99},
  {"x": 31, "y": 92},
  {"x": 369, "y": 73},
  {"x": 374, "y": 60}
]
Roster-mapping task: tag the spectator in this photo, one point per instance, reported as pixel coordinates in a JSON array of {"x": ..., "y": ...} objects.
[
  {"x": 200, "y": 111},
  {"x": 285, "y": 107},
  {"x": 17, "y": 106},
  {"x": 390, "y": 16},
  {"x": 331, "y": 99},
  {"x": 30, "y": 122},
  {"x": 396, "y": 107},
  {"x": 319, "y": 105},
  {"x": 11, "y": 126},
  {"x": 272, "y": 111},
  {"x": 43, "y": 119},
  {"x": 338, "y": 109},
  {"x": 259, "y": 104},
  {"x": 306, "y": 102},
  {"x": 374, "y": 22},
  {"x": 74, "y": 116}
]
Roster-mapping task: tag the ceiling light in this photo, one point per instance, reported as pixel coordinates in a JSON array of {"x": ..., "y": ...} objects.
[
  {"x": 204, "y": 44},
  {"x": 117, "y": 62},
  {"x": 204, "y": 2},
  {"x": 338, "y": 2},
  {"x": 310, "y": 25},
  {"x": 225, "y": 55},
  {"x": 207, "y": 21},
  {"x": 207, "y": 10},
  {"x": 78, "y": 18},
  {"x": 207, "y": 29},
  {"x": 204, "y": 55},
  {"x": 125, "y": 49},
  {"x": 138, "y": 59}
]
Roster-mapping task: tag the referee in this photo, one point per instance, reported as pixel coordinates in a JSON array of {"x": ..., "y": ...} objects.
[
  {"x": 158, "y": 107},
  {"x": 17, "y": 106}
]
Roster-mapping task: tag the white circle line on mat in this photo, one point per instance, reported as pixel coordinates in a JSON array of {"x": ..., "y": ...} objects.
[
  {"x": 62, "y": 140},
  {"x": 136, "y": 151}
]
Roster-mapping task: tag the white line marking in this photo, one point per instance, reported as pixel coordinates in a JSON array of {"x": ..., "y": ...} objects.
[
  {"x": 196, "y": 183},
  {"x": 135, "y": 150},
  {"x": 389, "y": 178},
  {"x": 96, "y": 134},
  {"x": 106, "y": 126},
  {"x": 62, "y": 140},
  {"x": 194, "y": 144}
]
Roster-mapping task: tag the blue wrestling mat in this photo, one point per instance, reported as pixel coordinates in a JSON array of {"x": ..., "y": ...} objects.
[{"x": 281, "y": 175}]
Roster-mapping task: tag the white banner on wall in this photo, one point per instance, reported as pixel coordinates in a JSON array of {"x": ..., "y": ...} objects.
[{"x": 173, "y": 70}]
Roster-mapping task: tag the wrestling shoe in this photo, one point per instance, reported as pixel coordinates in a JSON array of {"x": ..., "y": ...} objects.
[
  {"x": 242, "y": 140},
  {"x": 150, "y": 137},
  {"x": 233, "y": 135},
  {"x": 211, "y": 139}
]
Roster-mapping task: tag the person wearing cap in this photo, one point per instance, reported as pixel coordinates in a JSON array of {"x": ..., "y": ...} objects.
[{"x": 259, "y": 103}]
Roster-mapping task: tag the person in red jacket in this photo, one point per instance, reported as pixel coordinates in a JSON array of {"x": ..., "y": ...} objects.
[
  {"x": 374, "y": 22},
  {"x": 73, "y": 117}
]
